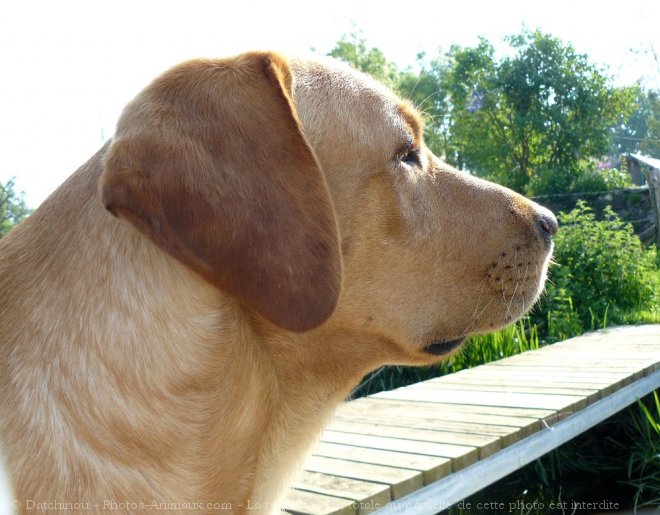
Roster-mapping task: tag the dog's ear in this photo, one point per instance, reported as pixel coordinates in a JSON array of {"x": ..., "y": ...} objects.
[{"x": 211, "y": 163}]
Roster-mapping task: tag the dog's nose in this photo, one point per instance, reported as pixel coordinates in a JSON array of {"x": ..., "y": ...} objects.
[{"x": 546, "y": 222}]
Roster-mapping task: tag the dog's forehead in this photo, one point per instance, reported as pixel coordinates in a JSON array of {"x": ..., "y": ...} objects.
[{"x": 328, "y": 91}]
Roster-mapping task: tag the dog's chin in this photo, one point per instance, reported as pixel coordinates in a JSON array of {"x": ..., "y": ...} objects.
[{"x": 442, "y": 347}]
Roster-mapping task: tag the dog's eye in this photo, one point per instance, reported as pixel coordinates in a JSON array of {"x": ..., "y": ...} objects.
[{"x": 411, "y": 157}]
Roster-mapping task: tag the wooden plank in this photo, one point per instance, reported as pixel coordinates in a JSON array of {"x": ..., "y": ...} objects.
[
  {"x": 605, "y": 367},
  {"x": 576, "y": 370},
  {"x": 432, "y": 467},
  {"x": 549, "y": 372},
  {"x": 461, "y": 456},
  {"x": 507, "y": 416},
  {"x": 594, "y": 348},
  {"x": 628, "y": 355},
  {"x": 603, "y": 362},
  {"x": 621, "y": 333},
  {"x": 368, "y": 496},
  {"x": 299, "y": 502},
  {"x": 506, "y": 380},
  {"x": 585, "y": 372},
  {"x": 400, "y": 481},
  {"x": 589, "y": 343},
  {"x": 513, "y": 380},
  {"x": 560, "y": 403},
  {"x": 502, "y": 377},
  {"x": 548, "y": 377},
  {"x": 516, "y": 384},
  {"x": 647, "y": 345},
  {"x": 486, "y": 445},
  {"x": 507, "y": 434},
  {"x": 632, "y": 357},
  {"x": 592, "y": 394},
  {"x": 650, "y": 370},
  {"x": 455, "y": 487},
  {"x": 604, "y": 336},
  {"x": 540, "y": 377},
  {"x": 601, "y": 366},
  {"x": 452, "y": 410}
]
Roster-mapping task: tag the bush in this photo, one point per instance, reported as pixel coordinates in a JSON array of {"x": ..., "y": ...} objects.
[
  {"x": 590, "y": 178},
  {"x": 601, "y": 272},
  {"x": 602, "y": 180},
  {"x": 551, "y": 181}
]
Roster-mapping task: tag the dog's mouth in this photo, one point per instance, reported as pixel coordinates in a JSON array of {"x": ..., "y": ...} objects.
[{"x": 444, "y": 347}]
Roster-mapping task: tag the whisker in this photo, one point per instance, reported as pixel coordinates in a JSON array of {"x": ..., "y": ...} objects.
[
  {"x": 482, "y": 290},
  {"x": 510, "y": 303},
  {"x": 419, "y": 78},
  {"x": 437, "y": 92}
]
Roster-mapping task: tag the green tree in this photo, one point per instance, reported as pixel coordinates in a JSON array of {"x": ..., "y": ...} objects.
[
  {"x": 641, "y": 132},
  {"x": 650, "y": 144},
  {"x": 353, "y": 50},
  {"x": 12, "y": 207},
  {"x": 529, "y": 121},
  {"x": 628, "y": 134}
]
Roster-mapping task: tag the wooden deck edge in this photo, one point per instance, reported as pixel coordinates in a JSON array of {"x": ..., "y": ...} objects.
[{"x": 449, "y": 490}]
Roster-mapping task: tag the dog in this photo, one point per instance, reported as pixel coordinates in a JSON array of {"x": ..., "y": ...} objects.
[{"x": 181, "y": 316}]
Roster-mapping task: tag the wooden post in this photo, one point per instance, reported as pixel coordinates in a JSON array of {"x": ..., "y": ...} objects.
[{"x": 653, "y": 178}]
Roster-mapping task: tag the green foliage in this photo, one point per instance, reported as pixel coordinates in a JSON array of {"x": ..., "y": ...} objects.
[
  {"x": 643, "y": 430},
  {"x": 593, "y": 179},
  {"x": 593, "y": 176},
  {"x": 535, "y": 114},
  {"x": 353, "y": 50},
  {"x": 484, "y": 348},
  {"x": 12, "y": 207},
  {"x": 602, "y": 271},
  {"x": 650, "y": 144},
  {"x": 627, "y": 134},
  {"x": 534, "y": 121}
]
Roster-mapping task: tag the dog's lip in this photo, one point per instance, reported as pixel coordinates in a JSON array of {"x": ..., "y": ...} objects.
[{"x": 437, "y": 348}]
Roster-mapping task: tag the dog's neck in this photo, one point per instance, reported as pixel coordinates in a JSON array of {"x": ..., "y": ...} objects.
[{"x": 154, "y": 341}]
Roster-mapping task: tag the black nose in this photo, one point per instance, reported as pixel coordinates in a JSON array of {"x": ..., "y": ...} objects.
[{"x": 547, "y": 223}]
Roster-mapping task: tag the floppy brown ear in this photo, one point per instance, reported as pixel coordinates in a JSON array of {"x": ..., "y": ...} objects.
[{"x": 210, "y": 163}]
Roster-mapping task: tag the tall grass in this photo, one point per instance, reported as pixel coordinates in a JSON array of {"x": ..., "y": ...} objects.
[
  {"x": 643, "y": 464},
  {"x": 480, "y": 349}
]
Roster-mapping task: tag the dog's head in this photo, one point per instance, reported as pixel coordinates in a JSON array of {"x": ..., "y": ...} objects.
[{"x": 305, "y": 191}]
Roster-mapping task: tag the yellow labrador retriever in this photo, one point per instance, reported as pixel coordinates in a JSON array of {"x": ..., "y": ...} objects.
[{"x": 180, "y": 318}]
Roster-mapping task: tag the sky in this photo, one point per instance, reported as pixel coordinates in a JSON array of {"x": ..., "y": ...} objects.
[{"x": 69, "y": 67}]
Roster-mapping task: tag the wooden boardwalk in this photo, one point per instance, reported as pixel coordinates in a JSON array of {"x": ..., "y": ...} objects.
[{"x": 429, "y": 445}]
